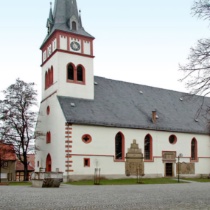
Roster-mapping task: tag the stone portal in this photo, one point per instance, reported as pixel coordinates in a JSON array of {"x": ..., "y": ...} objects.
[{"x": 134, "y": 165}]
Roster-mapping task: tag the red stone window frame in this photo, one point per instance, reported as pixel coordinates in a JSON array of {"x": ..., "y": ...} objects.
[
  {"x": 48, "y": 110},
  {"x": 48, "y": 138},
  {"x": 172, "y": 139},
  {"x": 86, "y": 162},
  {"x": 119, "y": 147},
  {"x": 86, "y": 138},
  {"x": 48, "y": 163},
  {"x": 148, "y": 148},
  {"x": 76, "y": 77},
  {"x": 49, "y": 78},
  {"x": 194, "y": 150}
]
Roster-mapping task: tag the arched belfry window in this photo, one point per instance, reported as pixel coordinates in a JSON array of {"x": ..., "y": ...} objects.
[
  {"x": 194, "y": 148},
  {"x": 76, "y": 74},
  {"x": 74, "y": 25},
  {"x": 45, "y": 80},
  {"x": 119, "y": 146},
  {"x": 70, "y": 72},
  {"x": 148, "y": 147},
  {"x": 80, "y": 73},
  {"x": 49, "y": 78},
  {"x": 48, "y": 163}
]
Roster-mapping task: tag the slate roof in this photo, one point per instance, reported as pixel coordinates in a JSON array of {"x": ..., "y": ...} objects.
[
  {"x": 63, "y": 11},
  {"x": 127, "y": 105}
]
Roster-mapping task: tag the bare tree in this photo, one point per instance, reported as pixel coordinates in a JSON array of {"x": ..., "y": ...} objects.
[
  {"x": 197, "y": 70},
  {"x": 18, "y": 119}
]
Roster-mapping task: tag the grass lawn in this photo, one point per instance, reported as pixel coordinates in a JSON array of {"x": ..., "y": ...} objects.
[
  {"x": 126, "y": 181},
  {"x": 19, "y": 183},
  {"x": 197, "y": 179}
]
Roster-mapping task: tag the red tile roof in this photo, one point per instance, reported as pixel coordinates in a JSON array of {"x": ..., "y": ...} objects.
[
  {"x": 31, "y": 160},
  {"x": 7, "y": 152},
  {"x": 20, "y": 167}
]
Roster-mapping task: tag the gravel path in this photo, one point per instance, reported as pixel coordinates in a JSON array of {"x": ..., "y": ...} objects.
[{"x": 132, "y": 197}]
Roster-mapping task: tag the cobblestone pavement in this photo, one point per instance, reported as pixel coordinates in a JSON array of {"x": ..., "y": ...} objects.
[{"x": 132, "y": 197}]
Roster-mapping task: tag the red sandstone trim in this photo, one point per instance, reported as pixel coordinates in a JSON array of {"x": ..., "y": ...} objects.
[
  {"x": 89, "y": 155},
  {"x": 49, "y": 96}
]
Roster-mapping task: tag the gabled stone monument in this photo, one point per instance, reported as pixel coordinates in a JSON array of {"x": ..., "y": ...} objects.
[{"x": 134, "y": 165}]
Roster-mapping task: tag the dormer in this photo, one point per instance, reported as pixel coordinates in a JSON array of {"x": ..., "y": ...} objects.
[{"x": 73, "y": 23}]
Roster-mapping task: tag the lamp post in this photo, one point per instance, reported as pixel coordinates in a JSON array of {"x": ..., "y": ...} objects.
[{"x": 179, "y": 156}]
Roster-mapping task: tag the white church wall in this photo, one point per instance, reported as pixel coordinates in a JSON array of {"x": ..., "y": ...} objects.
[
  {"x": 55, "y": 124},
  {"x": 63, "y": 42},
  {"x": 102, "y": 149},
  {"x": 87, "y": 47}
]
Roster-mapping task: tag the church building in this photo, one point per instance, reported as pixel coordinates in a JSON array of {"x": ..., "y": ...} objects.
[{"x": 93, "y": 124}]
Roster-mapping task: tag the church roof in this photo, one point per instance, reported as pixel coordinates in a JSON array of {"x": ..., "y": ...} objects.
[
  {"x": 64, "y": 11},
  {"x": 126, "y": 105}
]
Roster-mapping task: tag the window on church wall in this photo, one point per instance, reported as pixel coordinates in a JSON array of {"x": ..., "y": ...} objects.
[
  {"x": 48, "y": 110},
  {"x": 48, "y": 163},
  {"x": 86, "y": 138},
  {"x": 148, "y": 147},
  {"x": 45, "y": 80},
  {"x": 86, "y": 162},
  {"x": 48, "y": 138},
  {"x": 74, "y": 25},
  {"x": 80, "y": 73},
  {"x": 70, "y": 72},
  {"x": 51, "y": 76},
  {"x": 75, "y": 74},
  {"x": 172, "y": 139},
  {"x": 119, "y": 146},
  {"x": 194, "y": 149}
]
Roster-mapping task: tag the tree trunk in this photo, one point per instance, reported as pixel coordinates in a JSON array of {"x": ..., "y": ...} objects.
[{"x": 25, "y": 166}]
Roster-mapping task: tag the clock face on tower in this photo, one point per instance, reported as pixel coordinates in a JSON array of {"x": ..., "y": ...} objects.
[{"x": 75, "y": 46}]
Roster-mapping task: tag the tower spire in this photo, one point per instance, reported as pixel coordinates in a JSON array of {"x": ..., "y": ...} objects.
[
  {"x": 65, "y": 17},
  {"x": 50, "y": 20},
  {"x": 80, "y": 19}
]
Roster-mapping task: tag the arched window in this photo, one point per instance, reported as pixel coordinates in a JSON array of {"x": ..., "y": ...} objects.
[
  {"x": 45, "y": 80},
  {"x": 48, "y": 163},
  {"x": 51, "y": 76},
  {"x": 194, "y": 148},
  {"x": 70, "y": 72},
  {"x": 74, "y": 25},
  {"x": 148, "y": 147},
  {"x": 119, "y": 146},
  {"x": 80, "y": 73},
  {"x": 48, "y": 78},
  {"x": 48, "y": 137},
  {"x": 48, "y": 110}
]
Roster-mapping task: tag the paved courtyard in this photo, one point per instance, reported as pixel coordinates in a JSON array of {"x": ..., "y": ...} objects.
[{"x": 132, "y": 197}]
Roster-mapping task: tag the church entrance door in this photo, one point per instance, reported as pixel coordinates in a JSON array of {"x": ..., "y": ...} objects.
[{"x": 169, "y": 169}]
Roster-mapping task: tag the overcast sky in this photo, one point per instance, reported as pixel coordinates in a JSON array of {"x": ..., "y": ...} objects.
[{"x": 136, "y": 41}]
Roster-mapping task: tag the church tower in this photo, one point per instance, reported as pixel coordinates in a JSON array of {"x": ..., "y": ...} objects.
[
  {"x": 67, "y": 54},
  {"x": 67, "y": 71}
]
